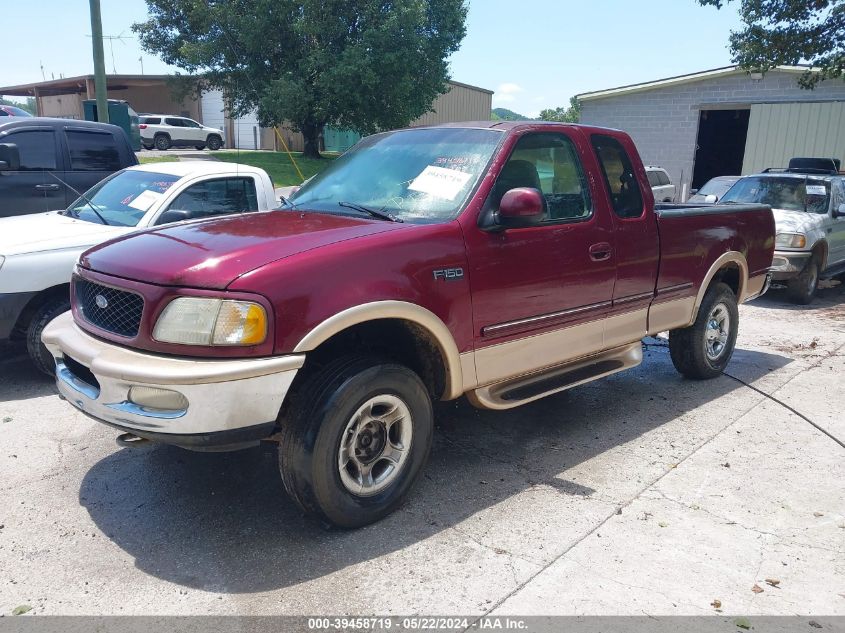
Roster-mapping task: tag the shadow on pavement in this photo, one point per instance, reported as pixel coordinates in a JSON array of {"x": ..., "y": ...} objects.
[
  {"x": 222, "y": 522},
  {"x": 19, "y": 379},
  {"x": 830, "y": 297}
]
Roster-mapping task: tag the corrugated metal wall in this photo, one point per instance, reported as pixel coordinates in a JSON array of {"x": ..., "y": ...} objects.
[
  {"x": 780, "y": 131},
  {"x": 461, "y": 103}
]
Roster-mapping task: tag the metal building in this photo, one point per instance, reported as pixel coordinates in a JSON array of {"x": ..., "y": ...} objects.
[
  {"x": 725, "y": 121},
  {"x": 156, "y": 94}
]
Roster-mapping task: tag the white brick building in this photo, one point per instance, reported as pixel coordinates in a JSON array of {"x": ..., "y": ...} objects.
[{"x": 724, "y": 121}]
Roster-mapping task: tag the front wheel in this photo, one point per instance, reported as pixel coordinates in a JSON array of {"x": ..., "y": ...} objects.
[
  {"x": 802, "y": 289},
  {"x": 704, "y": 349},
  {"x": 38, "y": 352},
  {"x": 355, "y": 440},
  {"x": 214, "y": 142}
]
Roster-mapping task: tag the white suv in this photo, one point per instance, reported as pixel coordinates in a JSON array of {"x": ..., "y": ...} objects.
[
  {"x": 661, "y": 184},
  {"x": 162, "y": 131}
]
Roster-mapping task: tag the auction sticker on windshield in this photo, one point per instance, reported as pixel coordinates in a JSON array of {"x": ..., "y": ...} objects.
[
  {"x": 145, "y": 200},
  {"x": 440, "y": 182},
  {"x": 816, "y": 190}
]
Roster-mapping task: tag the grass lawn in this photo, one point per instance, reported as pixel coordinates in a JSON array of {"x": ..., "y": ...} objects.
[
  {"x": 278, "y": 164},
  {"x": 157, "y": 159}
]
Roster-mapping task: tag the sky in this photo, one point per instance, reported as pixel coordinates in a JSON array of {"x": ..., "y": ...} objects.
[{"x": 534, "y": 54}]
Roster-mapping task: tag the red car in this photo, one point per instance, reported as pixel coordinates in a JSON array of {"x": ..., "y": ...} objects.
[
  {"x": 504, "y": 261},
  {"x": 9, "y": 110}
]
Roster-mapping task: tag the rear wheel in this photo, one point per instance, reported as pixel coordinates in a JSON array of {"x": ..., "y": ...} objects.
[
  {"x": 355, "y": 440},
  {"x": 704, "y": 349},
  {"x": 162, "y": 142},
  {"x": 802, "y": 289},
  {"x": 38, "y": 352},
  {"x": 214, "y": 142}
]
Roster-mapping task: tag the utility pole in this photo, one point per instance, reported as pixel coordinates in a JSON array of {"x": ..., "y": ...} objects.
[{"x": 100, "y": 87}]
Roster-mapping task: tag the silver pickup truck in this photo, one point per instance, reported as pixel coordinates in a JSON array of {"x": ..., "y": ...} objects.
[{"x": 808, "y": 201}]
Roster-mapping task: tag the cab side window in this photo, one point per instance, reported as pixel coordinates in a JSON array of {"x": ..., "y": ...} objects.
[
  {"x": 550, "y": 163},
  {"x": 37, "y": 148},
  {"x": 619, "y": 177},
  {"x": 218, "y": 197}
]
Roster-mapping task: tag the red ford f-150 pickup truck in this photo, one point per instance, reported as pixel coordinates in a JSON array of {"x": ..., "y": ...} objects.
[{"x": 503, "y": 261}]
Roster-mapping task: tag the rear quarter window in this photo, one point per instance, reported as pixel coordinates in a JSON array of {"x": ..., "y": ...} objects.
[{"x": 92, "y": 151}]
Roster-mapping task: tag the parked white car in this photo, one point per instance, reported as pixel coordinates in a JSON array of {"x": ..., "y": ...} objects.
[
  {"x": 661, "y": 184},
  {"x": 713, "y": 190},
  {"x": 809, "y": 210},
  {"x": 38, "y": 251},
  {"x": 163, "y": 131}
]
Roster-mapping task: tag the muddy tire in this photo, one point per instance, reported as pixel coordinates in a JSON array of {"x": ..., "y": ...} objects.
[
  {"x": 39, "y": 354},
  {"x": 355, "y": 439},
  {"x": 704, "y": 349},
  {"x": 802, "y": 289}
]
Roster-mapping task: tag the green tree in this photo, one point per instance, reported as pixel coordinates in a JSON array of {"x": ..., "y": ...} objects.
[
  {"x": 360, "y": 64},
  {"x": 572, "y": 114},
  {"x": 790, "y": 32}
]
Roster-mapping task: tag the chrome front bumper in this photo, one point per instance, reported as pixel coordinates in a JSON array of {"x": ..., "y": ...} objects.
[
  {"x": 226, "y": 402},
  {"x": 788, "y": 264}
]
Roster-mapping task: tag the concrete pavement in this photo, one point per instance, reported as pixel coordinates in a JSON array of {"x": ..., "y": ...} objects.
[{"x": 640, "y": 494}]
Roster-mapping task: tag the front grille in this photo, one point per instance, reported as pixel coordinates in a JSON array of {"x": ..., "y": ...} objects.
[{"x": 110, "y": 309}]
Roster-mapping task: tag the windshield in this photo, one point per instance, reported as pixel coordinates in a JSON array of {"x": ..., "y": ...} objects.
[
  {"x": 716, "y": 187},
  {"x": 782, "y": 192},
  {"x": 123, "y": 198},
  {"x": 421, "y": 176}
]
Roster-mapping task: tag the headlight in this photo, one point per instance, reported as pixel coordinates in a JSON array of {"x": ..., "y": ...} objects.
[
  {"x": 204, "y": 321},
  {"x": 790, "y": 240}
]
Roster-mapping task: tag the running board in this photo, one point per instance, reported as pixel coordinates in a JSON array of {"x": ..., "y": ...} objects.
[{"x": 517, "y": 391}]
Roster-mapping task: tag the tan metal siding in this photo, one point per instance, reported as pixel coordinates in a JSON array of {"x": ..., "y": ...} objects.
[
  {"x": 780, "y": 131},
  {"x": 459, "y": 104}
]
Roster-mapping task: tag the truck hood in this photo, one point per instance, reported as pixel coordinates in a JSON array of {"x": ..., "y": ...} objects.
[
  {"x": 796, "y": 221},
  {"x": 212, "y": 254},
  {"x": 51, "y": 231}
]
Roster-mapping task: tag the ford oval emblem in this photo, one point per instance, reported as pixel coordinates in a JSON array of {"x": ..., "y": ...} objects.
[{"x": 101, "y": 302}]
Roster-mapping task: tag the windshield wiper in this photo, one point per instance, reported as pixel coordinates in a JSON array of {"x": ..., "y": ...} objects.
[
  {"x": 381, "y": 215},
  {"x": 88, "y": 202}
]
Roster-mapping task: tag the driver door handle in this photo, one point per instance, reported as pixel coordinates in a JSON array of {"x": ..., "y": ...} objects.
[
  {"x": 600, "y": 252},
  {"x": 50, "y": 187}
]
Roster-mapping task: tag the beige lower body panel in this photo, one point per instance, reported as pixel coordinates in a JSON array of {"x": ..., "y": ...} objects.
[
  {"x": 754, "y": 287},
  {"x": 671, "y": 314},
  {"x": 556, "y": 379},
  {"x": 500, "y": 367}
]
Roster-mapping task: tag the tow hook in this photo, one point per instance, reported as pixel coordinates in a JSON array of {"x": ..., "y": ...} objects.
[{"x": 129, "y": 440}]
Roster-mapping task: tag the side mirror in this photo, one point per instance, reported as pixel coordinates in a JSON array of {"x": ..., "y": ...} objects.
[
  {"x": 174, "y": 215},
  {"x": 711, "y": 198},
  {"x": 840, "y": 212},
  {"x": 10, "y": 158},
  {"x": 521, "y": 207},
  {"x": 692, "y": 192}
]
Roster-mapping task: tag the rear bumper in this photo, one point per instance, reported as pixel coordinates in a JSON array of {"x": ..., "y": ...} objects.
[
  {"x": 221, "y": 403},
  {"x": 788, "y": 264},
  {"x": 11, "y": 306}
]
